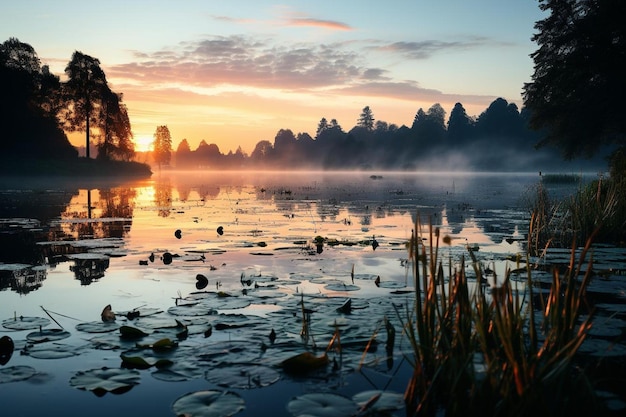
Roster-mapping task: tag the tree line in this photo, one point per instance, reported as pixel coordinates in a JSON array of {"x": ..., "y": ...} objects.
[{"x": 498, "y": 139}]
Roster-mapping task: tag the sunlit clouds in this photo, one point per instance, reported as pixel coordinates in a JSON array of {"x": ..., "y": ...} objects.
[{"x": 239, "y": 80}]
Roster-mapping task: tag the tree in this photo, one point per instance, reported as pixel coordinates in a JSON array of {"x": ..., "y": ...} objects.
[
  {"x": 576, "y": 92},
  {"x": 321, "y": 127},
  {"x": 115, "y": 131},
  {"x": 430, "y": 125},
  {"x": 459, "y": 125},
  {"x": 162, "y": 146},
  {"x": 85, "y": 90},
  {"x": 262, "y": 152},
  {"x": 183, "y": 153},
  {"x": 366, "y": 119},
  {"x": 29, "y": 103}
]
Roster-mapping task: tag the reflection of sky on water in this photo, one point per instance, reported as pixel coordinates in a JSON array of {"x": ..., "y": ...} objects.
[{"x": 267, "y": 213}]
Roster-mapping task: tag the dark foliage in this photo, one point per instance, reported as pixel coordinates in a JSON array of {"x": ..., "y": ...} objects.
[
  {"x": 576, "y": 91},
  {"x": 35, "y": 107}
]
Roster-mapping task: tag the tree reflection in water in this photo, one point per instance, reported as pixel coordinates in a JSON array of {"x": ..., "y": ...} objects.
[
  {"x": 87, "y": 270},
  {"x": 27, "y": 245}
]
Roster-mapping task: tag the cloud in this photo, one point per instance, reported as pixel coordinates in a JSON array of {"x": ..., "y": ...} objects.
[
  {"x": 324, "y": 24},
  {"x": 425, "y": 49},
  {"x": 411, "y": 91},
  {"x": 245, "y": 61}
]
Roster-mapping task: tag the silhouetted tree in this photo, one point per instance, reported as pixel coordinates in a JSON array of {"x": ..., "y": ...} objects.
[
  {"x": 430, "y": 126},
  {"x": 321, "y": 127},
  {"x": 576, "y": 94},
  {"x": 262, "y": 152},
  {"x": 29, "y": 103},
  {"x": 162, "y": 146},
  {"x": 500, "y": 120},
  {"x": 366, "y": 119},
  {"x": 459, "y": 125},
  {"x": 84, "y": 92},
  {"x": 116, "y": 135},
  {"x": 183, "y": 154},
  {"x": 208, "y": 155}
]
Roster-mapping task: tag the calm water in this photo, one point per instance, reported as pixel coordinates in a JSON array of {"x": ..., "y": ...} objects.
[{"x": 68, "y": 250}]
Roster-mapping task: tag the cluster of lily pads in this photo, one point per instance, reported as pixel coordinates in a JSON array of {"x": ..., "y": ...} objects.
[{"x": 315, "y": 337}]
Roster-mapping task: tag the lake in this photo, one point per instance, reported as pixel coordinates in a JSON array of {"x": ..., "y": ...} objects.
[{"x": 216, "y": 262}]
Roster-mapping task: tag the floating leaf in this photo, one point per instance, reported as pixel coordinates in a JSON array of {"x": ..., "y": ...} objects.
[
  {"x": 242, "y": 376},
  {"x": 129, "y": 332},
  {"x": 380, "y": 401},
  {"x": 201, "y": 281},
  {"x": 47, "y": 335},
  {"x": 181, "y": 370},
  {"x": 208, "y": 404},
  {"x": 52, "y": 351},
  {"x": 107, "y": 314},
  {"x": 101, "y": 381},
  {"x": 322, "y": 405},
  {"x": 25, "y": 323},
  {"x": 16, "y": 373},
  {"x": 97, "y": 327},
  {"x": 6, "y": 349},
  {"x": 340, "y": 286},
  {"x": 304, "y": 363}
]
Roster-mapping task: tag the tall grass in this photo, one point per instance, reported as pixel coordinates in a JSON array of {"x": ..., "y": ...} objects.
[
  {"x": 493, "y": 351},
  {"x": 598, "y": 208}
]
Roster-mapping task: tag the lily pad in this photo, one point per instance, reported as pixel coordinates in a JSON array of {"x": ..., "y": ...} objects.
[
  {"x": 322, "y": 404},
  {"x": 47, "y": 335},
  {"x": 209, "y": 403},
  {"x": 52, "y": 351},
  {"x": 16, "y": 373},
  {"x": 6, "y": 349},
  {"x": 242, "y": 376},
  {"x": 379, "y": 400},
  {"x": 103, "y": 380},
  {"x": 191, "y": 310},
  {"x": 97, "y": 327},
  {"x": 340, "y": 286},
  {"x": 25, "y": 323},
  {"x": 181, "y": 370}
]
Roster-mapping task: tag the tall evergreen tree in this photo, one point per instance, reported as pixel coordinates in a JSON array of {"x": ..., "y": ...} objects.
[
  {"x": 459, "y": 125},
  {"x": 576, "y": 91},
  {"x": 366, "y": 119}
]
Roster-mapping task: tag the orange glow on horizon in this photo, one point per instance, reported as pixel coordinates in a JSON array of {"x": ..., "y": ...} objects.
[{"x": 143, "y": 143}]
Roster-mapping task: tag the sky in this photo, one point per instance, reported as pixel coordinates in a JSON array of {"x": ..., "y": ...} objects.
[{"x": 235, "y": 72}]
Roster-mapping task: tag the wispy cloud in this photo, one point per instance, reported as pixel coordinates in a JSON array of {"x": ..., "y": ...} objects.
[
  {"x": 321, "y": 23},
  {"x": 426, "y": 49}
]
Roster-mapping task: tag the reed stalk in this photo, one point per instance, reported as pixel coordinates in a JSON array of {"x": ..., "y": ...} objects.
[{"x": 474, "y": 352}]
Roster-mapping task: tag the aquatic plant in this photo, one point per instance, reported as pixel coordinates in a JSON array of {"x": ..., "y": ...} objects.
[
  {"x": 494, "y": 351},
  {"x": 597, "y": 208}
]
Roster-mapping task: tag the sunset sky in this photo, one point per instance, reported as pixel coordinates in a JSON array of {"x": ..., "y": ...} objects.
[{"x": 235, "y": 72}]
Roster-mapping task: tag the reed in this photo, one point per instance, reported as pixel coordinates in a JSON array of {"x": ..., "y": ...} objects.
[
  {"x": 494, "y": 352},
  {"x": 600, "y": 204}
]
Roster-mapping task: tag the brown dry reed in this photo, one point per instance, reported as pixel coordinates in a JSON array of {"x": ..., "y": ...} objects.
[{"x": 495, "y": 351}]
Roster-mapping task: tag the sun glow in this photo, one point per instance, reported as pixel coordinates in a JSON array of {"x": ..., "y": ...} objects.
[{"x": 143, "y": 143}]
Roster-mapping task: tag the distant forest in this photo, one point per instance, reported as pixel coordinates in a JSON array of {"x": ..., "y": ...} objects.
[
  {"x": 499, "y": 139},
  {"x": 37, "y": 109}
]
